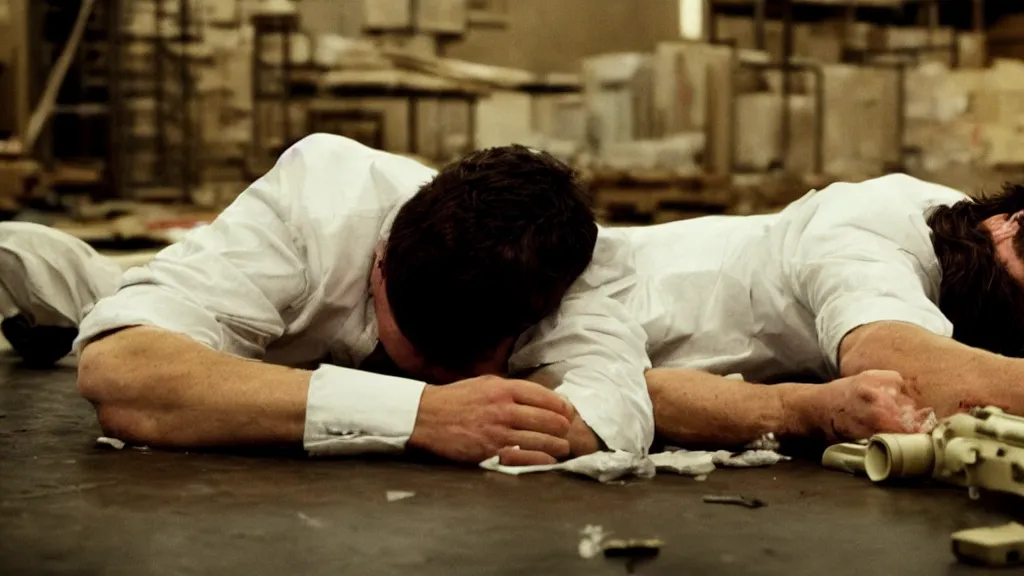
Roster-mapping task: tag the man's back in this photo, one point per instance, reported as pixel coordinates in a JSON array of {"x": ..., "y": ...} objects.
[
  {"x": 741, "y": 294},
  {"x": 296, "y": 249}
]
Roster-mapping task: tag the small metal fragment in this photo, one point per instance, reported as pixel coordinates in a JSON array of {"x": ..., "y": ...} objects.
[
  {"x": 632, "y": 548},
  {"x": 736, "y": 500}
]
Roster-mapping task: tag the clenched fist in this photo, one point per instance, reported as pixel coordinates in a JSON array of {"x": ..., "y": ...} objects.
[
  {"x": 472, "y": 420},
  {"x": 869, "y": 403}
]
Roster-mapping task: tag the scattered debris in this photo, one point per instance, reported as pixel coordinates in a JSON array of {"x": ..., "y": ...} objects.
[
  {"x": 736, "y": 500},
  {"x": 632, "y": 548},
  {"x": 702, "y": 463},
  {"x": 396, "y": 495},
  {"x": 920, "y": 421},
  {"x": 309, "y": 521},
  {"x": 930, "y": 422},
  {"x": 591, "y": 538},
  {"x": 602, "y": 466},
  {"x": 112, "y": 442},
  {"x": 685, "y": 462},
  {"x": 765, "y": 442},
  {"x": 749, "y": 459},
  {"x": 141, "y": 448},
  {"x": 608, "y": 467}
]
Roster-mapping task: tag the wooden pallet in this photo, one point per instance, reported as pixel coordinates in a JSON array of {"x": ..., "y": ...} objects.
[
  {"x": 602, "y": 178},
  {"x": 650, "y": 196}
]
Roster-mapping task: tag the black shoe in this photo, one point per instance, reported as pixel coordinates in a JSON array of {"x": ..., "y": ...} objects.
[{"x": 38, "y": 346}]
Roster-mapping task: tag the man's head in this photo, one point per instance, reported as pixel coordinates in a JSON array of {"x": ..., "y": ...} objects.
[
  {"x": 980, "y": 245},
  {"x": 482, "y": 252}
]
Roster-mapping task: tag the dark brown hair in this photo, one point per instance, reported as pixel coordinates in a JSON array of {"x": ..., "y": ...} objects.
[
  {"x": 978, "y": 295},
  {"x": 485, "y": 250}
]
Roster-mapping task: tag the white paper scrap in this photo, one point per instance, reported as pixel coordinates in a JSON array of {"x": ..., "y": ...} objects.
[
  {"x": 591, "y": 538},
  {"x": 601, "y": 466},
  {"x": 112, "y": 442}
]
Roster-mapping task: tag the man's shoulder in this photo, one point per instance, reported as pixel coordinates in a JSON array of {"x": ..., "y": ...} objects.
[
  {"x": 338, "y": 153},
  {"x": 891, "y": 193},
  {"x": 887, "y": 211},
  {"x": 325, "y": 174}
]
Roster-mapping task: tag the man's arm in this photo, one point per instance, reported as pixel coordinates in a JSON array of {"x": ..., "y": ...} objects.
[
  {"x": 595, "y": 351},
  {"x": 875, "y": 310},
  {"x": 163, "y": 389},
  {"x": 155, "y": 387},
  {"x": 693, "y": 407},
  {"x": 940, "y": 372}
]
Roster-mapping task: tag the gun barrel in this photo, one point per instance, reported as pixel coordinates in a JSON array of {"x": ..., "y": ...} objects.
[{"x": 891, "y": 456}]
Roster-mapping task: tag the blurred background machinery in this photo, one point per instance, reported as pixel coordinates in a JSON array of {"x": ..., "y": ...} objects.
[{"x": 164, "y": 110}]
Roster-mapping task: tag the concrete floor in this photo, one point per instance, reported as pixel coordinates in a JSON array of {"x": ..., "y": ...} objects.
[{"x": 68, "y": 507}]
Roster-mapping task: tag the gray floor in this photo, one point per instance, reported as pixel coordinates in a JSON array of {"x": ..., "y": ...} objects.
[{"x": 69, "y": 507}]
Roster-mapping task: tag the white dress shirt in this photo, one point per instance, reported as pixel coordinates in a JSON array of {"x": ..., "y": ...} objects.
[
  {"x": 283, "y": 274},
  {"x": 772, "y": 296}
]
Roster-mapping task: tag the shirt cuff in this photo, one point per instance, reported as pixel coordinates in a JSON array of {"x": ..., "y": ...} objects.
[{"x": 351, "y": 412}]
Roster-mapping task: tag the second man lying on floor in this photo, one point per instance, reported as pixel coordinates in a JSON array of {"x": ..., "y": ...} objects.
[{"x": 889, "y": 274}]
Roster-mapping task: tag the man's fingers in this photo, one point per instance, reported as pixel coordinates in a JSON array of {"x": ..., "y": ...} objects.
[
  {"x": 533, "y": 394},
  {"x": 526, "y": 440},
  {"x": 517, "y": 457},
  {"x": 539, "y": 420}
]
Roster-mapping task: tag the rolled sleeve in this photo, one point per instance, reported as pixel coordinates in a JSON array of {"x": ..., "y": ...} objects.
[
  {"x": 599, "y": 351},
  {"x": 351, "y": 412},
  {"x": 227, "y": 284},
  {"x": 855, "y": 289}
]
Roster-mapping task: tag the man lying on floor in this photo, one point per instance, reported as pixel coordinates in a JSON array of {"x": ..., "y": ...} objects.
[
  {"x": 841, "y": 283},
  {"x": 365, "y": 259},
  {"x": 888, "y": 274}
]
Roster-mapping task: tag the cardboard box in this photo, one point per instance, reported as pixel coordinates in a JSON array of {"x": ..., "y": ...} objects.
[
  {"x": 617, "y": 98},
  {"x": 219, "y": 12},
  {"x": 560, "y": 117},
  {"x": 973, "y": 47},
  {"x": 681, "y": 88},
  {"x": 503, "y": 118},
  {"x": 387, "y": 14},
  {"x": 860, "y": 136},
  {"x": 759, "y": 121},
  {"x": 441, "y": 16},
  {"x": 678, "y": 154}
]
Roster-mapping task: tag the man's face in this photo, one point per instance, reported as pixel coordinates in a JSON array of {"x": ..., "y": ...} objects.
[
  {"x": 1008, "y": 237},
  {"x": 405, "y": 355}
]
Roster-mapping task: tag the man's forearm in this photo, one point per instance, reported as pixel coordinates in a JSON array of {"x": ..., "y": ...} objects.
[
  {"x": 692, "y": 407},
  {"x": 154, "y": 387},
  {"x": 941, "y": 373},
  {"x": 582, "y": 440}
]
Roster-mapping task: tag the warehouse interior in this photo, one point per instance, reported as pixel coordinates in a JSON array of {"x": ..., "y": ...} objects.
[{"x": 127, "y": 124}]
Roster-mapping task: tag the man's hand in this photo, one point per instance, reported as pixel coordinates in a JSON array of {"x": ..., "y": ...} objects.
[
  {"x": 869, "y": 403},
  {"x": 472, "y": 420}
]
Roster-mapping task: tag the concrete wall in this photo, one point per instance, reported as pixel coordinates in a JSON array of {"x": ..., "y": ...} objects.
[{"x": 542, "y": 36}]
